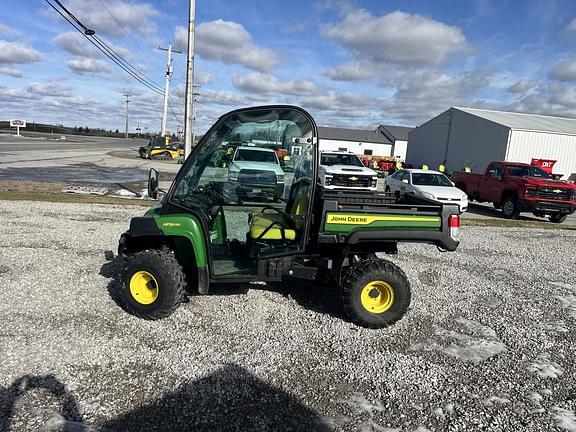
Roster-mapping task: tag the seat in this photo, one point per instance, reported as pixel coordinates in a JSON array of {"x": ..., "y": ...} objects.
[
  {"x": 283, "y": 226},
  {"x": 271, "y": 226}
]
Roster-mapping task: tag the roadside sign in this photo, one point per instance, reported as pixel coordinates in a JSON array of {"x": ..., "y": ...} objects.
[{"x": 18, "y": 123}]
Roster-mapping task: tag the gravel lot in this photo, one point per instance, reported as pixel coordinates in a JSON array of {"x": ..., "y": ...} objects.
[{"x": 487, "y": 345}]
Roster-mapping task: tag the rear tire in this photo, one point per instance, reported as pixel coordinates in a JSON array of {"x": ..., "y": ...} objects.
[
  {"x": 510, "y": 208},
  {"x": 557, "y": 218},
  {"x": 153, "y": 284},
  {"x": 375, "y": 293}
]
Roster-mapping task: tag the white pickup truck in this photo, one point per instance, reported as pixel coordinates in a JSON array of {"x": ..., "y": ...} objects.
[
  {"x": 344, "y": 170},
  {"x": 255, "y": 172}
]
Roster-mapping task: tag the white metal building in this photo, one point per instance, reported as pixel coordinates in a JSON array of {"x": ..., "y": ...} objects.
[
  {"x": 398, "y": 135},
  {"x": 460, "y": 136},
  {"x": 361, "y": 142}
]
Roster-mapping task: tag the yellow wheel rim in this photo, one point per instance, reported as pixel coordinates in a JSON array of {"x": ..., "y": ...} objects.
[
  {"x": 143, "y": 287},
  {"x": 377, "y": 297}
]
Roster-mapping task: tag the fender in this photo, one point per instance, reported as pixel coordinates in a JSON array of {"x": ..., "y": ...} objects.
[{"x": 179, "y": 228}]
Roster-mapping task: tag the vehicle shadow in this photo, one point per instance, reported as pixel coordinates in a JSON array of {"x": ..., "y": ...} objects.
[
  {"x": 230, "y": 399},
  {"x": 482, "y": 210},
  {"x": 323, "y": 298},
  {"x": 112, "y": 269}
]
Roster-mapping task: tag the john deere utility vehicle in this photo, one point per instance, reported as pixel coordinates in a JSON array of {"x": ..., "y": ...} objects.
[
  {"x": 202, "y": 234},
  {"x": 160, "y": 148}
]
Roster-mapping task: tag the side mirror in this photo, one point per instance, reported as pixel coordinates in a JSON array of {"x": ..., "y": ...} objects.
[
  {"x": 405, "y": 181},
  {"x": 153, "y": 184}
]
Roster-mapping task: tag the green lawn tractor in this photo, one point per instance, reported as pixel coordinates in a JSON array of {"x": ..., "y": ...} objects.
[{"x": 202, "y": 235}]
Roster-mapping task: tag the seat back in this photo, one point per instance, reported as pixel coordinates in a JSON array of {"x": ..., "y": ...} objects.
[{"x": 299, "y": 201}]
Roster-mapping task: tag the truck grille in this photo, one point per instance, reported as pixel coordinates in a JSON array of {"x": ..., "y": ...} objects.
[
  {"x": 554, "y": 193},
  {"x": 352, "y": 180},
  {"x": 257, "y": 178}
]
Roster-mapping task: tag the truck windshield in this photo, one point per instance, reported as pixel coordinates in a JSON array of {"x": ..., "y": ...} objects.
[
  {"x": 329, "y": 159},
  {"x": 526, "y": 171},
  {"x": 255, "y": 156},
  {"x": 430, "y": 179}
]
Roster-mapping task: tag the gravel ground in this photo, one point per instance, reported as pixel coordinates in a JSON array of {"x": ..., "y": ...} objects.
[{"x": 488, "y": 343}]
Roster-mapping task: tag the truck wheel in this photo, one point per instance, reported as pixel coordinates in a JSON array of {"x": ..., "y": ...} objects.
[
  {"x": 510, "y": 208},
  {"x": 375, "y": 293},
  {"x": 153, "y": 285},
  {"x": 557, "y": 218}
]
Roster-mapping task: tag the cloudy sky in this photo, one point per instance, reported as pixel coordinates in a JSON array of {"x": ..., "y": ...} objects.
[{"x": 350, "y": 63}]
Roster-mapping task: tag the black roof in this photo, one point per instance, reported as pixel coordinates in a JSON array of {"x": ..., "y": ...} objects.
[
  {"x": 356, "y": 135},
  {"x": 396, "y": 132}
]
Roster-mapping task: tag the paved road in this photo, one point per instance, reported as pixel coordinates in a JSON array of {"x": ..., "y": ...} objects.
[{"x": 78, "y": 159}]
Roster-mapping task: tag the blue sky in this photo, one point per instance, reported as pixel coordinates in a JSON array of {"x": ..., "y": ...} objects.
[{"x": 350, "y": 63}]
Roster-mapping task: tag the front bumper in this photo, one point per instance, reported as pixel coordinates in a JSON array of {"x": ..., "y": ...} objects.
[{"x": 546, "y": 207}]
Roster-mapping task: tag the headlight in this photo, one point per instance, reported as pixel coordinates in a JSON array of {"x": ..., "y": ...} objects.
[
  {"x": 328, "y": 180},
  {"x": 280, "y": 178},
  {"x": 233, "y": 175},
  {"x": 464, "y": 198},
  {"x": 530, "y": 192},
  {"x": 374, "y": 181},
  {"x": 428, "y": 195}
]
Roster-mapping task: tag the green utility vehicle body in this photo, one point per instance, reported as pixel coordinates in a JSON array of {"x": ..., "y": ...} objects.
[{"x": 203, "y": 235}]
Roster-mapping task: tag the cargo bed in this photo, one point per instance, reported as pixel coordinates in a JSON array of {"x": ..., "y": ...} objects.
[{"x": 354, "y": 218}]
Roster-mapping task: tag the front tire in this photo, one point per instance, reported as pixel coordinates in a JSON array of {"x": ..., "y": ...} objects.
[
  {"x": 375, "y": 293},
  {"x": 557, "y": 218},
  {"x": 510, "y": 208},
  {"x": 153, "y": 284}
]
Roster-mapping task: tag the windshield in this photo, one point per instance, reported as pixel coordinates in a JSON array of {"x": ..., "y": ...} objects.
[
  {"x": 280, "y": 137},
  {"x": 329, "y": 159},
  {"x": 430, "y": 179},
  {"x": 526, "y": 171},
  {"x": 255, "y": 156}
]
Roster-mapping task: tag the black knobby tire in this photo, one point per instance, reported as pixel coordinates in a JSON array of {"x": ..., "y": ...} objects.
[
  {"x": 168, "y": 278},
  {"x": 557, "y": 218},
  {"x": 360, "y": 277},
  {"x": 510, "y": 208}
]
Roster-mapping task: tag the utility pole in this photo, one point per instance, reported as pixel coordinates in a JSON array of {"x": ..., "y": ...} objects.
[
  {"x": 188, "y": 110},
  {"x": 167, "y": 86},
  {"x": 127, "y": 100}
]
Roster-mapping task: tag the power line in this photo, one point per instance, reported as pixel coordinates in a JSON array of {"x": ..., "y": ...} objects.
[{"x": 105, "y": 49}]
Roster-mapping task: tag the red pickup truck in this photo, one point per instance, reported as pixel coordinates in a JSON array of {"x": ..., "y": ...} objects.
[{"x": 518, "y": 187}]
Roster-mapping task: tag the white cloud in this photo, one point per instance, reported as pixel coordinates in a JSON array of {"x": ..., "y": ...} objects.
[
  {"x": 553, "y": 98},
  {"x": 11, "y": 71},
  {"x": 82, "y": 65},
  {"x": 266, "y": 84},
  {"x": 230, "y": 43},
  {"x": 76, "y": 44},
  {"x": 397, "y": 37},
  {"x": 115, "y": 17},
  {"x": 522, "y": 86},
  {"x": 571, "y": 25},
  {"x": 18, "y": 53},
  {"x": 49, "y": 89},
  {"x": 564, "y": 71},
  {"x": 353, "y": 72},
  {"x": 8, "y": 31},
  {"x": 421, "y": 95}
]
